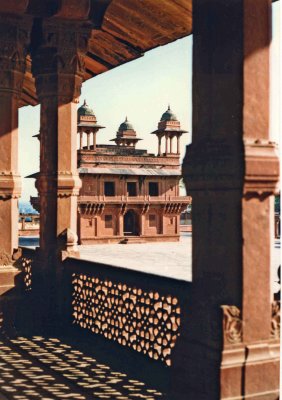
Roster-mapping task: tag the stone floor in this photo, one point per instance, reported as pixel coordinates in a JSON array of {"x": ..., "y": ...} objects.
[
  {"x": 170, "y": 259},
  {"x": 48, "y": 368}
]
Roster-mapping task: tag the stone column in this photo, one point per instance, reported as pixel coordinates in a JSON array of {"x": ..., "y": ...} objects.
[
  {"x": 159, "y": 145},
  {"x": 94, "y": 140},
  {"x": 230, "y": 170},
  {"x": 178, "y": 145},
  {"x": 88, "y": 140},
  {"x": 81, "y": 139},
  {"x": 170, "y": 145},
  {"x": 14, "y": 39},
  {"x": 166, "y": 144},
  {"x": 58, "y": 67}
]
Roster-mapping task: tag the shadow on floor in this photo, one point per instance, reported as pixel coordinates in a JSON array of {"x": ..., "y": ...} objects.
[{"x": 41, "y": 367}]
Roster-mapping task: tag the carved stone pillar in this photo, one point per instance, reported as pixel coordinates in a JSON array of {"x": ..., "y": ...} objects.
[
  {"x": 230, "y": 170},
  {"x": 14, "y": 39},
  {"x": 58, "y": 67}
]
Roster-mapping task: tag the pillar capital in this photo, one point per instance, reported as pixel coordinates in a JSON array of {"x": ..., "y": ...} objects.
[
  {"x": 14, "y": 40},
  {"x": 58, "y": 61}
]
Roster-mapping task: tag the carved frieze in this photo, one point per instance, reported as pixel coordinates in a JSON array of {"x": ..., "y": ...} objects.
[
  {"x": 232, "y": 325},
  {"x": 275, "y": 320}
]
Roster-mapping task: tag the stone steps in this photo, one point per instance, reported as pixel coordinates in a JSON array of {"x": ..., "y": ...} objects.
[{"x": 132, "y": 239}]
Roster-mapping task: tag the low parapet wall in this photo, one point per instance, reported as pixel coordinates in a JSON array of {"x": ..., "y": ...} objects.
[{"x": 140, "y": 311}]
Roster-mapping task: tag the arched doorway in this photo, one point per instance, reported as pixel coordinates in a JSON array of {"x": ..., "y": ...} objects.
[{"x": 130, "y": 224}]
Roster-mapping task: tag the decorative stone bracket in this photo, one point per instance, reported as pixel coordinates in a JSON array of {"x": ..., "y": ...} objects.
[
  {"x": 232, "y": 325},
  {"x": 261, "y": 167},
  {"x": 68, "y": 241},
  {"x": 10, "y": 185},
  {"x": 275, "y": 320}
]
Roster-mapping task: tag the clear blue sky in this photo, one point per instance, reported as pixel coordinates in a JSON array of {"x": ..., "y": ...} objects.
[{"x": 141, "y": 90}]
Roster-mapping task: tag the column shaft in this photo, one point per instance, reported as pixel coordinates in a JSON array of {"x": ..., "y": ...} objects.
[
  {"x": 14, "y": 39},
  {"x": 88, "y": 140},
  {"x": 80, "y": 140},
  {"x": 170, "y": 144},
  {"x": 58, "y": 86},
  {"x": 178, "y": 145},
  {"x": 230, "y": 170},
  {"x": 159, "y": 145},
  {"x": 94, "y": 140},
  {"x": 166, "y": 144}
]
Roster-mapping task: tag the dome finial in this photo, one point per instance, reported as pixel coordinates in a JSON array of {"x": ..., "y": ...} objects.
[
  {"x": 126, "y": 120},
  {"x": 168, "y": 106},
  {"x": 84, "y": 103}
]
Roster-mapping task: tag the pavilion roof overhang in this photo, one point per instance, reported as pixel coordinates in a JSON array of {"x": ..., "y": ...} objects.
[{"x": 122, "y": 30}]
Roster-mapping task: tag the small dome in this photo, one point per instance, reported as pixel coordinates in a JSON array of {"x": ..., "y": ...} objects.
[
  {"x": 168, "y": 115},
  {"x": 126, "y": 126},
  {"x": 85, "y": 110}
]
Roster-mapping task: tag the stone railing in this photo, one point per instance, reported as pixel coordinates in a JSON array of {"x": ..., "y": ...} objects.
[
  {"x": 137, "y": 310},
  {"x": 135, "y": 199}
]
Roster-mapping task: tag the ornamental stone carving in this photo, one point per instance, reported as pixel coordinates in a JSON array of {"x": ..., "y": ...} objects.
[
  {"x": 58, "y": 62},
  {"x": 261, "y": 167},
  {"x": 275, "y": 320},
  {"x": 232, "y": 325},
  {"x": 5, "y": 258},
  {"x": 10, "y": 185},
  {"x": 14, "y": 40}
]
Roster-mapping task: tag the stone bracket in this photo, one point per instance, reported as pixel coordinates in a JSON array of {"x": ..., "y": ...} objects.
[
  {"x": 64, "y": 184},
  {"x": 10, "y": 185},
  {"x": 232, "y": 325},
  {"x": 261, "y": 167},
  {"x": 68, "y": 184},
  {"x": 213, "y": 165}
]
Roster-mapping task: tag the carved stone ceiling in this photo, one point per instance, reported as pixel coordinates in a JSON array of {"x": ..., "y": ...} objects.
[{"x": 123, "y": 30}]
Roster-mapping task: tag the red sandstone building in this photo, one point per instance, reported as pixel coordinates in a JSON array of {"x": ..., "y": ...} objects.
[{"x": 127, "y": 194}]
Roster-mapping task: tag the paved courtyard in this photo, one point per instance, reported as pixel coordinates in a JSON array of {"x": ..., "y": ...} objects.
[{"x": 170, "y": 259}]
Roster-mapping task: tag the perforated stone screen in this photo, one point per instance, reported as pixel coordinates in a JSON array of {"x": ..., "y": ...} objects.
[{"x": 144, "y": 321}]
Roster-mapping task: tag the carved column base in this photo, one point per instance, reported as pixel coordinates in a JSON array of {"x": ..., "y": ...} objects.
[{"x": 249, "y": 370}]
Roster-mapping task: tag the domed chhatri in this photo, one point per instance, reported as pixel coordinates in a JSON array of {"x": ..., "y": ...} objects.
[
  {"x": 168, "y": 115},
  {"x": 126, "y": 126},
  {"x": 85, "y": 110},
  {"x": 87, "y": 123},
  {"x": 126, "y": 135},
  {"x": 169, "y": 128}
]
